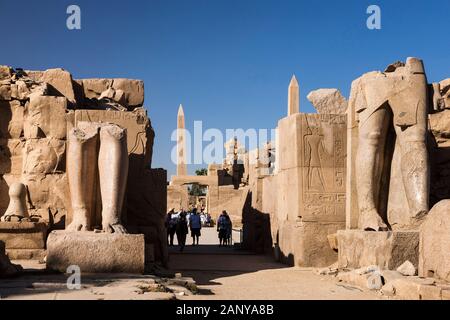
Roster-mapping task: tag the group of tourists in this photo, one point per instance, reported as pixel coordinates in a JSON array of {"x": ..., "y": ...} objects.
[{"x": 179, "y": 224}]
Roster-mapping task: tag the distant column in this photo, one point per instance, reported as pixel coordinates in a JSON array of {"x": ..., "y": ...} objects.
[
  {"x": 293, "y": 97},
  {"x": 181, "y": 144}
]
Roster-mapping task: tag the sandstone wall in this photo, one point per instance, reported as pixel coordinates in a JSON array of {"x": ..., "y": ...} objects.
[
  {"x": 37, "y": 108},
  {"x": 305, "y": 200}
]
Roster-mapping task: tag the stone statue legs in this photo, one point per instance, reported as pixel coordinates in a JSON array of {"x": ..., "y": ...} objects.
[
  {"x": 414, "y": 163},
  {"x": 112, "y": 164},
  {"x": 404, "y": 92},
  {"x": 81, "y": 172},
  {"x": 113, "y": 172},
  {"x": 369, "y": 160}
]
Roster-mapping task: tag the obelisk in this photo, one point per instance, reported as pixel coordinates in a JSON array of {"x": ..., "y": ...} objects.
[
  {"x": 293, "y": 97},
  {"x": 181, "y": 144}
]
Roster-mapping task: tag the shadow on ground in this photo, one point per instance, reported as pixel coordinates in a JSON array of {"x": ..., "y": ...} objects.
[{"x": 207, "y": 263}]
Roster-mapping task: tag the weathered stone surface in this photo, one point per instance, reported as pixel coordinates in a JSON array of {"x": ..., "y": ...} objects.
[
  {"x": 407, "y": 269},
  {"x": 5, "y": 72},
  {"x": 445, "y": 294},
  {"x": 23, "y": 235},
  {"x": 45, "y": 117},
  {"x": 61, "y": 81},
  {"x": 305, "y": 244},
  {"x": 11, "y": 156},
  {"x": 96, "y": 252},
  {"x": 11, "y": 120},
  {"x": 5, "y": 91},
  {"x": 328, "y": 101},
  {"x": 127, "y": 92},
  {"x": 434, "y": 258},
  {"x": 430, "y": 292},
  {"x": 48, "y": 196},
  {"x": 366, "y": 278},
  {"x": 44, "y": 156},
  {"x": 26, "y": 254},
  {"x": 7, "y": 269},
  {"x": 333, "y": 241},
  {"x": 388, "y": 250}
]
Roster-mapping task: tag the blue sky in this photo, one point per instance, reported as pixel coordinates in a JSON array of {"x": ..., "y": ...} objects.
[{"x": 228, "y": 62}]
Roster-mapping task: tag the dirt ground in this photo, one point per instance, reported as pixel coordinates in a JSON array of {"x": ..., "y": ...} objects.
[{"x": 220, "y": 273}]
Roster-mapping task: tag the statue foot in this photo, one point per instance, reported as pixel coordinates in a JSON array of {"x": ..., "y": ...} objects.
[
  {"x": 114, "y": 228},
  {"x": 12, "y": 218},
  {"x": 371, "y": 221},
  {"x": 78, "y": 225}
]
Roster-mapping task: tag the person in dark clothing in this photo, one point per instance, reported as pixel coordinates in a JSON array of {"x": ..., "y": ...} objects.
[
  {"x": 196, "y": 225},
  {"x": 171, "y": 225},
  {"x": 182, "y": 230},
  {"x": 229, "y": 226},
  {"x": 222, "y": 227}
]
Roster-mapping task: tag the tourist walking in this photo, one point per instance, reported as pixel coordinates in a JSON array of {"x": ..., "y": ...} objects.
[
  {"x": 171, "y": 226},
  {"x": 222, "y": 227},
  {"x": 229, "y": 226},
  {"x": 195, "y": 224},
  {"x": 182, "y": 230}
]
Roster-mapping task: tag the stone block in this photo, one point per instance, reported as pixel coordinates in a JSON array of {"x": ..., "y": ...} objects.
[
  {"x": 61, "y": 81},
  {"x": 132, "y": 91},
  {"x": 5, "y": 72},
  {"x": 44, "y": 156},
  {"x": 5, "y": 92},
  {"x": 96, "y": 252},
  {"x": 369, "y": 280},
  {"x": 50, "y": 193},
  {"x": 328, "y": 101},
  {"x": 305, "y": 244},
  {"x": 26, "y": 254},
  {"x": 388, "y": 250},
  {"x": 45, "y": 117},
  {"x": 430, "y": 292},
  {"x": 11, "y": 119},
  {"x": 23, "y": 235},
  {"x": 11, "y": 156},
  {"x": 434, "y": 253},
  {"x": 446, "y": 294}
]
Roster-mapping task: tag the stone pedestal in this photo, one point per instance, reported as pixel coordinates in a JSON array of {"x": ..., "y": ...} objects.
[
  {"x": 387, "y": 250},
  {"x": 24, "y": 240},
  {"x": 305, "y": 244},
  {"x": 96, "y": 252}
]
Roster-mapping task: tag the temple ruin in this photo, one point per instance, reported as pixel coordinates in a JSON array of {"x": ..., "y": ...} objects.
[{"x": 359, "y": 190}]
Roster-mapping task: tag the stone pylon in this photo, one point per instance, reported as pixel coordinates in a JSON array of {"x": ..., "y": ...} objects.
[
  {"x": 293, "y": 97},
  {"x": 181, "y": 143}
]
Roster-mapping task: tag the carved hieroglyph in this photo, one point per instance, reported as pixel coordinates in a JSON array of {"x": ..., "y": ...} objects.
[
  {"x": 112, "y": 162},
  {"x": 310, "y": 186},
  {"x": 386, "y": 107},
  {"x": 323, "y": 165}
]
